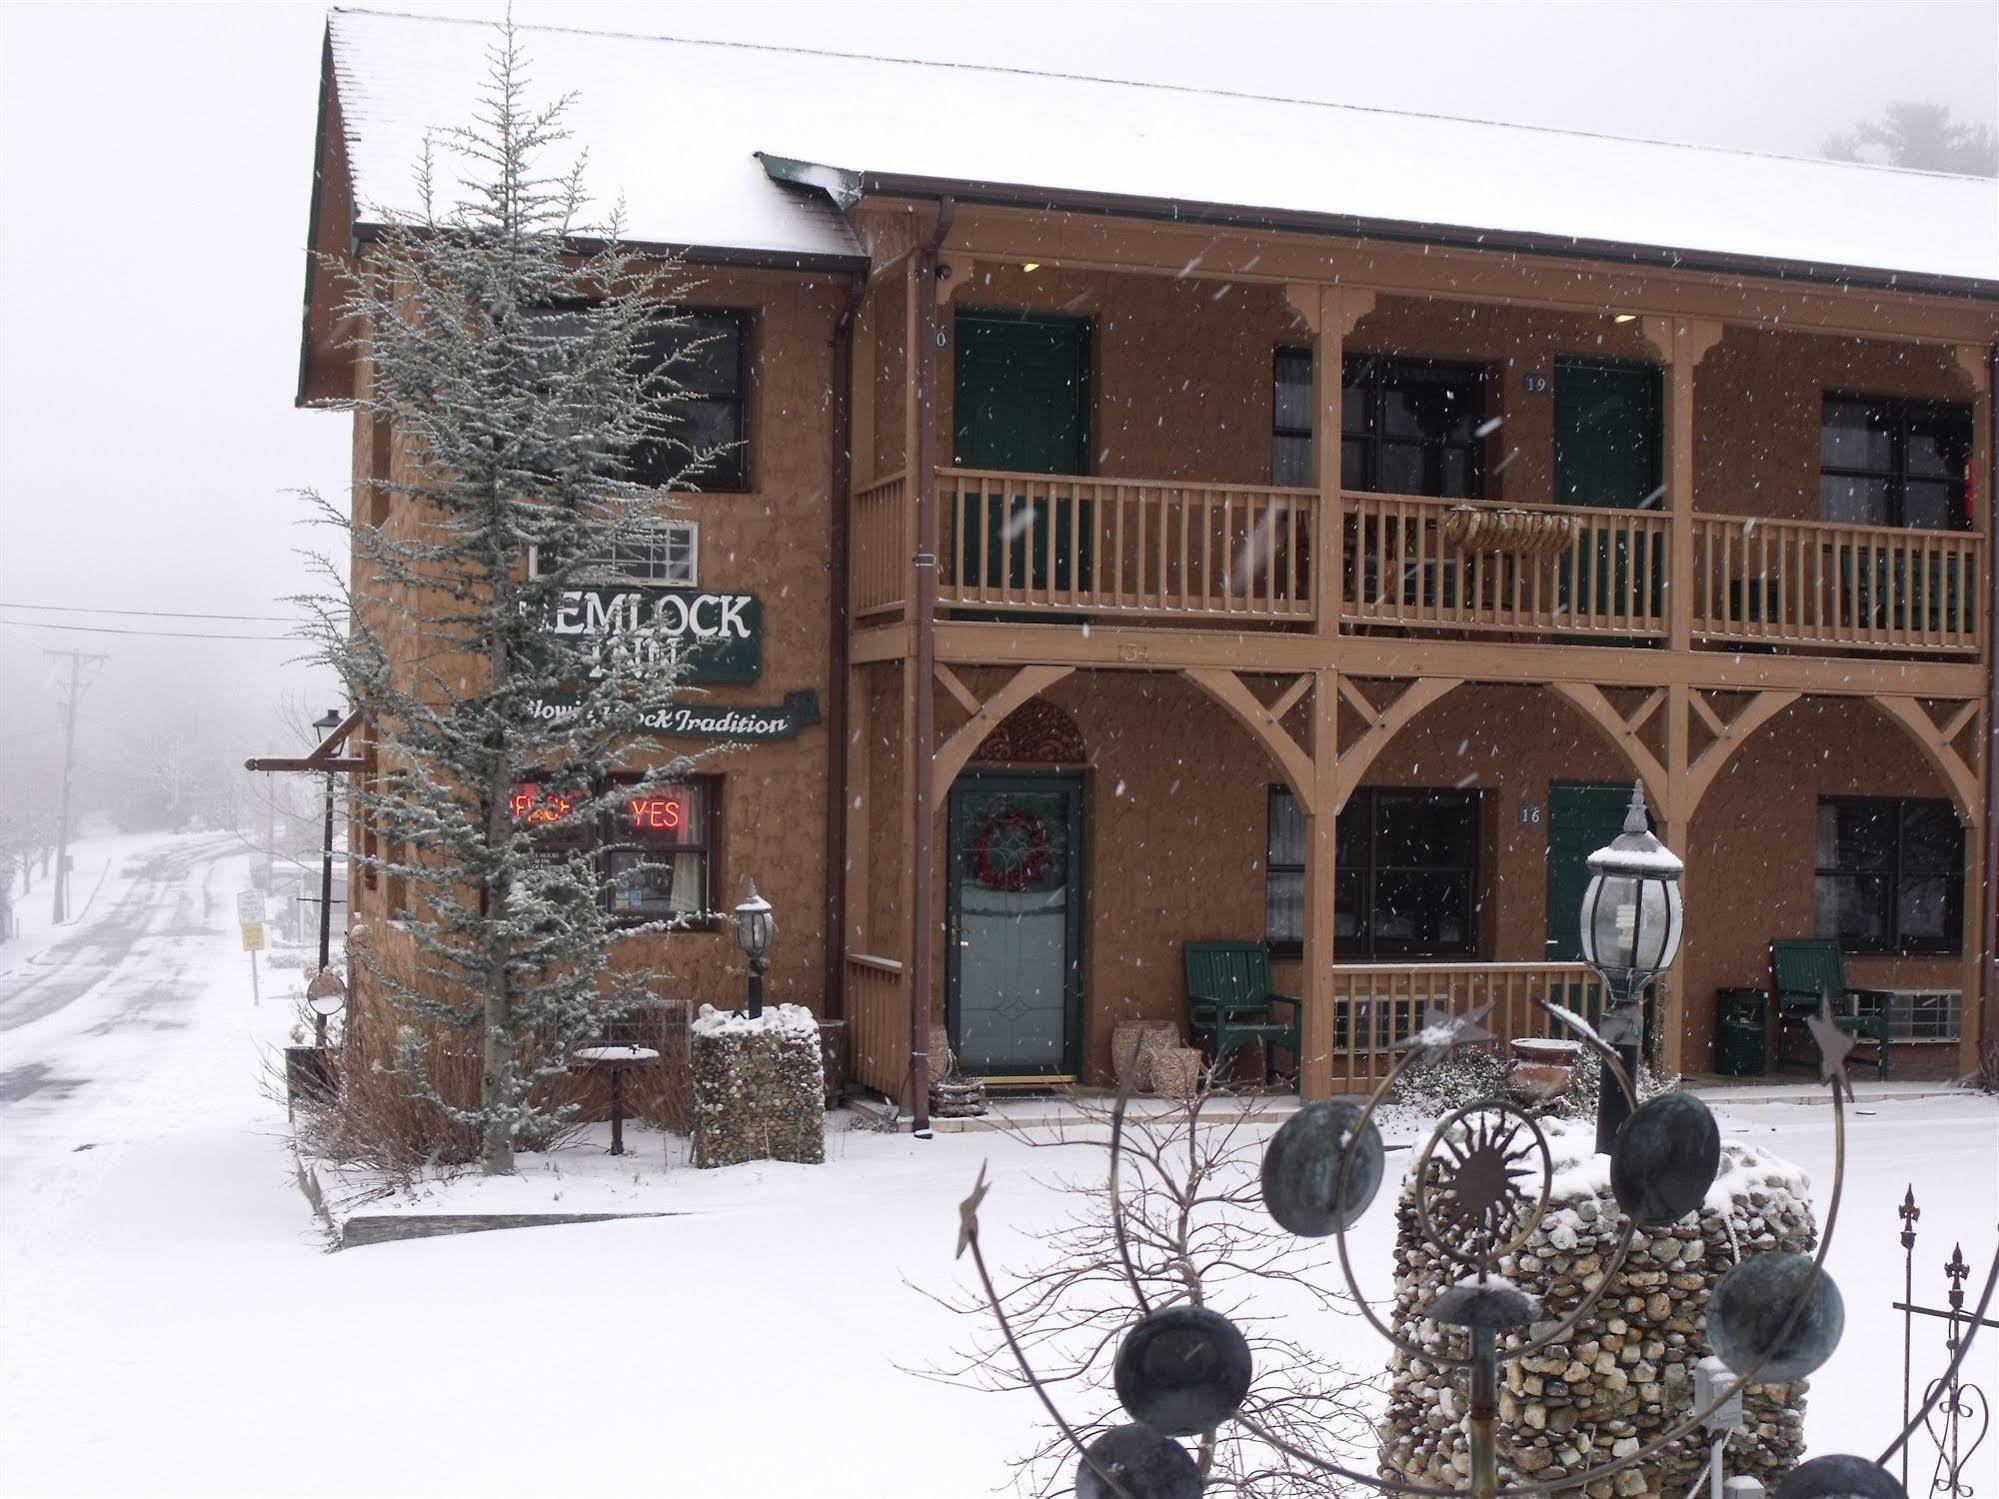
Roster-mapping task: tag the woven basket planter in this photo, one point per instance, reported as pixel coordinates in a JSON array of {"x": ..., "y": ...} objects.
[
  {"x": 1134, "y": 1045},
  {"x": 1523, "y": 533},
  {"x": 1176, "y": 1072}
]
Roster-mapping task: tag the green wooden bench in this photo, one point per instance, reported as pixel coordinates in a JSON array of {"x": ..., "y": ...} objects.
[
  {"x": 1805, "y": 970},
  {"x": 1229, "y": 1003}
]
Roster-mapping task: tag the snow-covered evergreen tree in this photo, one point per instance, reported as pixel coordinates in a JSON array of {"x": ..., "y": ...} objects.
[{"x": 524, "y": 362}]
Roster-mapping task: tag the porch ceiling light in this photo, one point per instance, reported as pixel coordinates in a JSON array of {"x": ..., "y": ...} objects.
[
  {"x": 1632, "y": 913},
  {"x": 1031, "y": 265},
  {"x": 1625, "y": 317}
]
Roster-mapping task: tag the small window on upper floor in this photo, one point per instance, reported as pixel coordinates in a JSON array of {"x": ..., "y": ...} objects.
[
  {"x": 1895, "y": 461},
  {"x": 667, "y": 555},
  {"x": 713, "y": 412}
]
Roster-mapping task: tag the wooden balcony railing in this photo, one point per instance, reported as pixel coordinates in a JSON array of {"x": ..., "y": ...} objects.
[
  {"x": 1791, "y": 582},
  {"x": 877, "y": 1023},
  {"x": 1151, "y": 550},
  {"x": 882, "y": 544},
  {"x": 1457, "y": 565},
  {"x": 1125, "y": 547},
  {"x": 1376, "y": 1005}
]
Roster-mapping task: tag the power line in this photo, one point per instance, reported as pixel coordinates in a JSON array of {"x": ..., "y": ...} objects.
[
  {"x": 268, "y": 619},
  {"x": 35, "y": 624}
]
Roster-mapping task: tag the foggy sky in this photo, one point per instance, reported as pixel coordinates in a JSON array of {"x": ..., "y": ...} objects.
[{"x": 155, "y": 164}]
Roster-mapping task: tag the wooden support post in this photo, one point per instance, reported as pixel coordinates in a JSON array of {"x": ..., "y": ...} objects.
[
  {"x": 1676, "y": 819},
  {"x": 1331, "y": 313},
  {"x": 1682, "y": 344},
  {"x": 1315, "y": 1078},
  {"x": 1978, "y": 933}
]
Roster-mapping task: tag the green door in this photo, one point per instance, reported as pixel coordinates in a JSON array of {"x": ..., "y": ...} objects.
[
  {"x": 1607, "y": 454},
  {"x": 1022, "y": 407},
  {"x": 1582, "y": 817},
  {"x": 1014, "y": 995}
]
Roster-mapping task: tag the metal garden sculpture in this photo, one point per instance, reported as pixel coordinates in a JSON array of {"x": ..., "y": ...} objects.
[{"x": 1480, "y": 1186}]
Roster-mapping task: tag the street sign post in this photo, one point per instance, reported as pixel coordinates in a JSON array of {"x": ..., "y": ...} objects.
[{"x": 250, "y": 916}]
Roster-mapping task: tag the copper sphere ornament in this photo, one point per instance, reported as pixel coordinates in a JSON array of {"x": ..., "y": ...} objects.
[
  {"x": 1750, "y": 1321},
  {"x": 1301, "y": 1169},
  {"x": 1143, "y": 1464},
  {"x": 1840, "y": 1475},
  {"x": 1665, "y": 1159},
  {"x": 1182, "y": 1370}
]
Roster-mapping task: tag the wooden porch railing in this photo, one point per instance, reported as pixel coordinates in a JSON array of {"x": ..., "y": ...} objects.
[
  {"x": 1125, "y": 546},
  {"x": 881, "y": 545},
  {"x": 1376, "y": 1005},
  {"x": 1816, "y": 583},
  {"x": 1538, "y": 569},
  {"x": 877, "y": 1023}
]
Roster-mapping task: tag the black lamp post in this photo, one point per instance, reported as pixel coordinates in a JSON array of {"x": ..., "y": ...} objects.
[
  {"x": 326, "y": 725},
  {"x": 756, "y": 928},
  {"x": 1632, "y": 917}
]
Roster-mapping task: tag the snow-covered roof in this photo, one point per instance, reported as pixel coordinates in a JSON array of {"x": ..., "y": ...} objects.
[{"x": 674, "y": 127}]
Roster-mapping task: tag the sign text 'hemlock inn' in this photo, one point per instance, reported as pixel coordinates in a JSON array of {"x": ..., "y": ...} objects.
[{"x": 1164, "y": 516}]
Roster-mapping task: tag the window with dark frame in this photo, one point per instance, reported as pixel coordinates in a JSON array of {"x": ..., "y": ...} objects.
[
  {"x": 1408, "y": 426},
  {"x": 655, "y": 849},
  {"x": 713, "y": 373},
  {"x": 1405, "y": 882},
  {"x": 1889, "y": 876},
  {"x": 1894, "y": 461}
]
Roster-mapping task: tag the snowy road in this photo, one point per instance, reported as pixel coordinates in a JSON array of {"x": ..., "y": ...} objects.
[{"x": 173, "y": 1324}]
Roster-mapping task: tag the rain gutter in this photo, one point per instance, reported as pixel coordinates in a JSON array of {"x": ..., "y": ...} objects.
[
  {"x": 1988, "y": 925},
  {"x": 840, "y": 486},
  {"x": 1396, "y": 231},
  {"x": 923, "y": 664}
]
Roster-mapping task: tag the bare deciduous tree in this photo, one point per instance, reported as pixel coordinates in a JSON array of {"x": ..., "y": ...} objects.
[{"x": 1197, "y": 1234}]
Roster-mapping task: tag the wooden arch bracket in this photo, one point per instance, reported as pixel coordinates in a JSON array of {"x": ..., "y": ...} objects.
[
  {"x": 1329, "y": 306},
  {"x": 1692, "y": 338},
  {"x": 1622, "y": 731},
  {"x": 1383, "y": 724},
  {"x": 955, "y": 753},
  {"x": 1937, "y": 739},
  {"x": 1729, "y": 736},
  {"x": 1266, "y": 723}
]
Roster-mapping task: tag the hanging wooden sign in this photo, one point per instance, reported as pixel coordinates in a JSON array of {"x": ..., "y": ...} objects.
[{"x": 752, "y": 725}]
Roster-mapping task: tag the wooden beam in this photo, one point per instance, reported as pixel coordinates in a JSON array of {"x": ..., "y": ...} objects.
[
  {"x": 1431, "y": 272},
  {"x": 1290, "y": 696},
  {"x": 1166, "y": 648},
  {"x": 953, "y": 684}
]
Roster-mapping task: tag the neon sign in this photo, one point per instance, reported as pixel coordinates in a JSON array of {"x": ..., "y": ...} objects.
[
  {"x": 537, "y": 807},
  {"x": 666, "y": 814}
]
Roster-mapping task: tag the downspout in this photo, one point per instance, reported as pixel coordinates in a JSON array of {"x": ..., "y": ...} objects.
[
  {"x": 840, "y": 484},
  {"x": 1988, "y": 932},
  {"x": 922, "y": 919}
]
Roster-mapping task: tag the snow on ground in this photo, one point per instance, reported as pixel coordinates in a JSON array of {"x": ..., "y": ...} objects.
[{"x": 174, "y": 1324}]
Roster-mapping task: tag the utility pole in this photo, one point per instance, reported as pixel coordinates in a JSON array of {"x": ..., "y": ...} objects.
[{"x": 61, "y": 881}]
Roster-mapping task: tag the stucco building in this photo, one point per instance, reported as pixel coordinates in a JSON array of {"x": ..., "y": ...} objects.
[{"x": 1177, "y": 516}]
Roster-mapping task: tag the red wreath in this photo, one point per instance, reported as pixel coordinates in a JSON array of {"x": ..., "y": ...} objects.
[{"x": 1011, "y": 852}]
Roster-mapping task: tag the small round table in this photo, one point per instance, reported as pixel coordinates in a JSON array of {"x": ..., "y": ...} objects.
[{"x": 616, "y": 1060}]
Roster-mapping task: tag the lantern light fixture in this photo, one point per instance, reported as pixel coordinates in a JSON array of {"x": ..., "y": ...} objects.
[
  {"x": 1632, "y": 917},
  {"x": 1632, "y": 910},
  {"x": 756, "y": 928}
]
